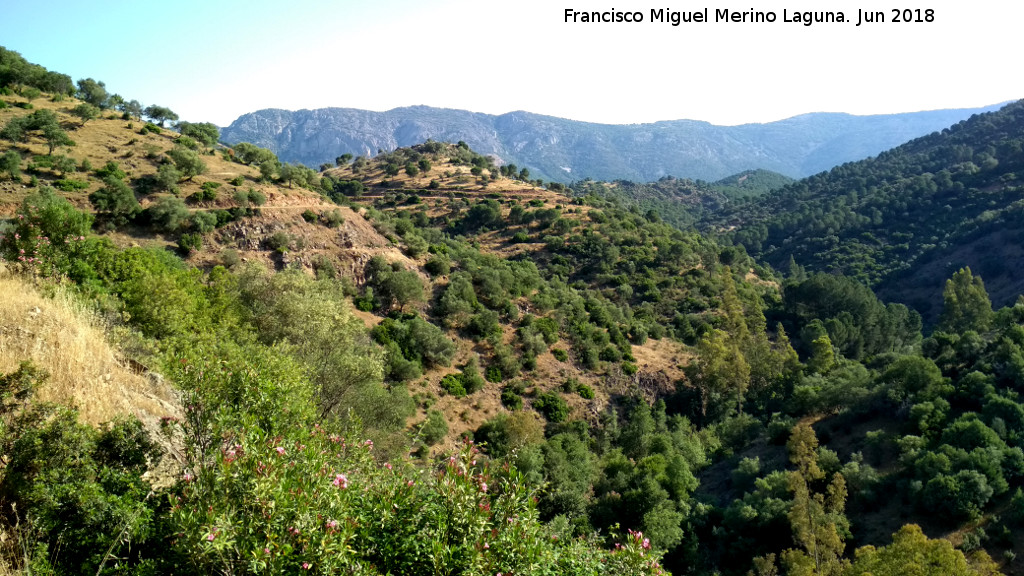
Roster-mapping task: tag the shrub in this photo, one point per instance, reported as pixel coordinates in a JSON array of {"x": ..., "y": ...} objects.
[
  {"x": 81, "y": 491},
  {"x": 168, "y": 213},
  {"x": 229, "y": 257},
  {"x": 552, "y": 406},
  {"x": 559, "y": 354},
  {"x": 237, "y": 180},
  {"x": 434, "y": 428},
  {"x": 452, "y": 384},
  {"x": 70, "y": 185},
  {"x": 333, "y": 218},
  {"x": 279, "y": 242},
  {"x": 438, "y": 266},
  {"x": 203, "y": 222},
  {"x": 511, "y": 398},
  {"x": 310, "y": 216},
  {"x": 190, "y": 242},
  {"x": 111, "y": 169},
  {"x": 208, "y": 191},
  {"x": 256, "y": 197}
]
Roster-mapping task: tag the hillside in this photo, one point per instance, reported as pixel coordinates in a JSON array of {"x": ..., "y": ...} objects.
[
  {"x": 565, "y": 150},
  {"x": 907, "y": 219}
]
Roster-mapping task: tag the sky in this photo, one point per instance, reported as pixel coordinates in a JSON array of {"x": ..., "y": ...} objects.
[{"x": 212, "y": 61}]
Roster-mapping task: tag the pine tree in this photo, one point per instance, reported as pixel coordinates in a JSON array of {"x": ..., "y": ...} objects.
[
  {"x": 823, "y": 355},
  {"x": 817, "y": 518},
  {"x": 722, "y": 374},
  {"x": 966, "y": 305}
]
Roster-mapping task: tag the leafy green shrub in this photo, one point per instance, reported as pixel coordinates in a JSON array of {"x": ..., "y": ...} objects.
[
  {"x": 629, "y": 368},
  {"x": 438, "y": 266},
  {"x": 310, "y": 216},
  {"x": 323, "y": 267},
  {"x": 70, "y": 184},
  {"x": 237, "y": 180},
  {"x": 585, "y": 391},
  {"x": 333, "y": 218},
  {"x": 115, "y": 202},
  {"x": 208, "y": 192},
  {"x": 279, "y": 242},
  {"x": 81, "y": 491},
  {"x": 434, "y": 428},
  {"x": 552, "y": 406},
  {"x": 511, "y": 398},
  {"x": 111, "y": 169},
  {"x": 256, "y": 197},
  {"x": 416, "y": 340},
  {"x": 190, "y": 242},
  {"x": 203, "y": 222},
  {"x": 452, "y": 384},
  {"x": 560, "y": 354}
]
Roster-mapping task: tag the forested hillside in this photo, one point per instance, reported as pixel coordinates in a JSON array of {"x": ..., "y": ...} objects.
[
  {"x": 426, "y": 363},
  {"x": 907, "y": 219}
]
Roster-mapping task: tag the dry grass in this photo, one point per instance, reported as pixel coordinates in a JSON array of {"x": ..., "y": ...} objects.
[{"x": 60, "y": 336}]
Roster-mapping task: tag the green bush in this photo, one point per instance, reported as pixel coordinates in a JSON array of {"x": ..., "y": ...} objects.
[
  {"x": 559, "y": 354},
  {"x": 511, "y": 398},
  {"x": 111, "y": 169},
  {"x": 256, "y": 197},
  {"x": 333, "y": 218},
  {"x": 70, "y": 185},
  {"x": 552, "y": 406},
  {"x": 434, "y": 428},
  {"x": 438, "y": 266},
  {"x": 81, "y": 491},
  {"x": 190, "y": 242},
  {"x": 452, "y": 384}
]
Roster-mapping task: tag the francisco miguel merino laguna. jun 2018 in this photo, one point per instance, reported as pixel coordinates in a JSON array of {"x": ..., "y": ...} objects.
[{"x": 724, "y": 15}]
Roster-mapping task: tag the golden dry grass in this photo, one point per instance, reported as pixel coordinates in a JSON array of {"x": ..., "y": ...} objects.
[{"x": 60, "y": 336}]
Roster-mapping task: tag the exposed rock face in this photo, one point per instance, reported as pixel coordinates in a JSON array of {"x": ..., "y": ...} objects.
[{"x": 564, "y": 150}]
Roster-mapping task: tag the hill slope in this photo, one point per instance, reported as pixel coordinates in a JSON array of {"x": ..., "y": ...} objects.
[
  {"x": 562, "y": 150},
  {"x": 904, "y": 221}
]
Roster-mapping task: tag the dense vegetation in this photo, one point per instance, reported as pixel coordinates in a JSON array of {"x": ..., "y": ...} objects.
[{"x": 896, "y": 220}]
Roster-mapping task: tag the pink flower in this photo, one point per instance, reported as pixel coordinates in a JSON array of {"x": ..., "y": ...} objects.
[
  {"x": 410, "y": 482},
  {"x": 483, "y": 486},
  {"x": 332, "y": 524},
  {"x": 486, "y": 546},
  {"x": 266, "y": 550},
  {"x": 187, "y": 477},
  {"x": 368, "y": 444},
  {"x": 341, "y": 481},
  {"x": 647, "y": 544},
  {"x": 387, "y": 465},
  {"x": 280, "y": 451},
  {"x": 210, "y": 537},
  {"x": 306, "y": 566}
]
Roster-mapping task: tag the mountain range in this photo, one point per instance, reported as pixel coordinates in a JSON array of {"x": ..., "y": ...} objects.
[{"x": 564, "y": 150}]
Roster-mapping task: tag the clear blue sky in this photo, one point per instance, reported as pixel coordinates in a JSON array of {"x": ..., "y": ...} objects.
[{"x": 215, "y": 60}]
